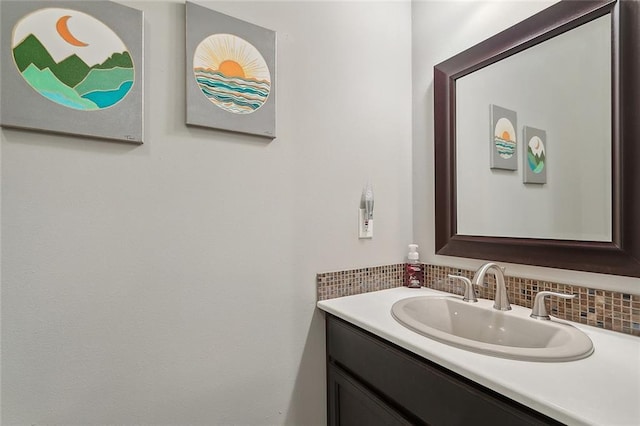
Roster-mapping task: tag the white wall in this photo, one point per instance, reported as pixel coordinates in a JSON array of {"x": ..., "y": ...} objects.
[
  {"x": 174, "y": 282},
  {"x": 440, "y": 30}
]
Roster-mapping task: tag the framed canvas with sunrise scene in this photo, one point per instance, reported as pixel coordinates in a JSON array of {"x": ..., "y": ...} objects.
[
  {"x": 231, "y": 73},
  {"x": 503, "y": 139},
  {"x": 72, "y": 67}
]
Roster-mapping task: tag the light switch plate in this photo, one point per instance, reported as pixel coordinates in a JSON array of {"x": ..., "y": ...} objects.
[{"x": 364, "y": 231}]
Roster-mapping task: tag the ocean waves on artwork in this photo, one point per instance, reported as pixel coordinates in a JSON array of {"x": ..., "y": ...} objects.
[
  {"x": 505, "y": 148},
  {"x": 235, "y": 94}
]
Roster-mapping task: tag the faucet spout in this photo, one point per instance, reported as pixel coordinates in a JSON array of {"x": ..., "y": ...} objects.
[{"x": 501, "y": 301}]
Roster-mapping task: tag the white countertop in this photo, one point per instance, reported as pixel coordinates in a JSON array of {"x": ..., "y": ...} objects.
[{"x": 603, "y": 389}]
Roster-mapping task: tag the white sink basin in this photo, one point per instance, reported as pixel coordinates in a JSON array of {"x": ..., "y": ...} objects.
[{"x": 480, "y": 328}]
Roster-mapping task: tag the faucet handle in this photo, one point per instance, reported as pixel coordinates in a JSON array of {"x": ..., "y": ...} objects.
[
  {"x": 539, "y": 311},
  {"x": 469, "y": 294}
]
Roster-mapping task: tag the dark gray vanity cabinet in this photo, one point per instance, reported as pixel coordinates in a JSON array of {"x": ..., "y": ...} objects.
[
  {"x": 371, "y": 381},
  {"x": 351, "y": 403}
]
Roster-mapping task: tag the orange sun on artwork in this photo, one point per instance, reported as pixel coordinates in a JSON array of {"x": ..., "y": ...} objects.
[
  {"x": 231, "y": 68},
  {"x": 231, "y": 56}
]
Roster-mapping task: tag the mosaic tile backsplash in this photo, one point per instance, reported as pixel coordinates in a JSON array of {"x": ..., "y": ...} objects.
[
  {"x": 599, "y": 308},
  {"x": 346, "y": 283}
]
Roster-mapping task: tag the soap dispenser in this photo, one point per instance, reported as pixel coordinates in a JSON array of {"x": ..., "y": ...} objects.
[{"x": 414, "y": 269}]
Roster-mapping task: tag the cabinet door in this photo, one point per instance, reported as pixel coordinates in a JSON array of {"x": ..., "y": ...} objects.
[
  {"x": 350, "y": 403},
  {"x": 418, "y": 388}
]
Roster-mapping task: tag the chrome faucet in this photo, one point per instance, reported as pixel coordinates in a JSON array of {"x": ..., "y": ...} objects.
[
  {"x": 501, "y": 302},
  {"x": 539, "y": 311}
]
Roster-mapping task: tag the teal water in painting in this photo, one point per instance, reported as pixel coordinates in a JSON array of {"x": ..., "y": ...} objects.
[
  {"x": 536, "y": 163},
  {"x": 505, "y": 148},
  {"x": 106, "y": 98},
  {"x": 234, "y": 94}
]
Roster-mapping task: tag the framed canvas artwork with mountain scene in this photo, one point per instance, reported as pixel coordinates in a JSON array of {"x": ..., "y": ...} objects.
[
  {"x": 231, "y": 73},
  {"x": 503, "y": 140},
  {"x": 535, "y": 158},
  {"x": 73, "y": 67}
]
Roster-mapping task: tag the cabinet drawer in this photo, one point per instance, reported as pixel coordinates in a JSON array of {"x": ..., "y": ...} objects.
[{"x": 423, "y": 389}]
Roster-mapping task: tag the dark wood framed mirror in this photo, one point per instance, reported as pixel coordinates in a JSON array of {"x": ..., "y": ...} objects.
[{"x": 620, "y": 255}]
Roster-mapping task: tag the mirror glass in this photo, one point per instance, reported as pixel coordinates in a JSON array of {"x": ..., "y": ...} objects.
[
  {"x": 567, "y": 76},
  {"x": 562, "y": 86}
]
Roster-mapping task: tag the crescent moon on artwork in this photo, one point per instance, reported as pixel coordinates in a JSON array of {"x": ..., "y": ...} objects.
[{"x": 66, "y": 35}]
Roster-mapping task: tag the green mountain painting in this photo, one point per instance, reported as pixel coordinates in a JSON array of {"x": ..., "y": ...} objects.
[
  {"x": 70, "y": 68},
  {"x": 535, "y": 160}
]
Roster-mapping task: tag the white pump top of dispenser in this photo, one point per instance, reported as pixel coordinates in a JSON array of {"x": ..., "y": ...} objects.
[{"x": 413, "y": 253}]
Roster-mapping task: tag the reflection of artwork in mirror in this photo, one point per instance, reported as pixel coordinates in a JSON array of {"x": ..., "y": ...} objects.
[
  {"x": 504, "y": 154},
  {"x": 535, "y": 164}
]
